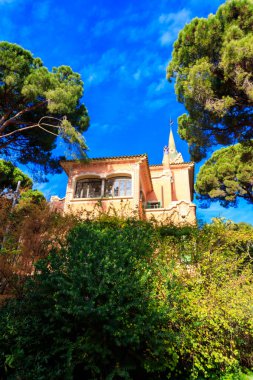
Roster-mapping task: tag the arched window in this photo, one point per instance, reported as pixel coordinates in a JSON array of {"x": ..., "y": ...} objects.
[
  {"x": 118, "y": 187},
  {"x": 88, "y": 188},
  {"x": 97, "y": 188}
]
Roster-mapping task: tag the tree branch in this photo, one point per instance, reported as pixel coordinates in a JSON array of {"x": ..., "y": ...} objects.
[
  {"x": 44, "y": 129},
  {"x": 39, "y": 125},
  {"x": 19, "y": 130},
  {"x": 27, "y": 109},
  {"x": 5, "y": 116}
]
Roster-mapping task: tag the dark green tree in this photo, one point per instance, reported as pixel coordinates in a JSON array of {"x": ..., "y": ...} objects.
[
  {"x": 212, "y": 62},
  {"x": 227, "y": 175},
  {"x": 33, "y": 106}
]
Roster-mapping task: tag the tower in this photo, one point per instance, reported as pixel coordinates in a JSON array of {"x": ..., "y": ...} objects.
[{"x": 170, "y": 153}]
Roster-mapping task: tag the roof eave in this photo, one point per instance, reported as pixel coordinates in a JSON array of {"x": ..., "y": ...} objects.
[{"x": 67, "y": 164}]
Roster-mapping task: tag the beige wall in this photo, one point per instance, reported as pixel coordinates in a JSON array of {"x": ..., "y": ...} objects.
[
  {"x": 102, "y": 170},
  {"x": 169, "y": 186},
  {"x": 123, "y": 207},
  {"x": 181, "y": 186},
  {"x": 161, "y": 180},
  {"x": 178, "y": 213}
]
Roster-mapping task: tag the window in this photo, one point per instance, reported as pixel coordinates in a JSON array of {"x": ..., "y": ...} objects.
[
  {"x": 89, "y": 188},
  {"x": 153, "y": 205},
  {"x": 118, "y": 187},
  {"x": 97, "y": 188}
]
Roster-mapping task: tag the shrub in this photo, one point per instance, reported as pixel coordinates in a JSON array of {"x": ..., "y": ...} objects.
[{"x": 124, "y": 299}]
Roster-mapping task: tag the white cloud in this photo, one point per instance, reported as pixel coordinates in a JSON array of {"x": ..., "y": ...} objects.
[
  {"x": 130, "y": 68},
  {"x": 103, "y": 69},
  {"x": 158, "y": 88},
  {"x": 91, "y": 78},
  {"x": 171, "y": 24},
  {"x": 155, "y": 104},
  {"x": 135, "y": 58},
  {"x": 180, "y": 17},
  {"x": 161, "y": 85},
  {"x": 137, "y": 75},
  {"x": 166, "y": 38},
  {"x": 103, "y": 127}
]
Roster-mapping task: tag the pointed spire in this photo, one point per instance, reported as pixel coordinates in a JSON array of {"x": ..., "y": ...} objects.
[
  {"x": 170, "y": 153},
  {"x": 171, "y": 144}
]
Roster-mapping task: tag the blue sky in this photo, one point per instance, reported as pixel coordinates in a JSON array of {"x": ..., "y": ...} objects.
[{"x": 121, "y": 50}]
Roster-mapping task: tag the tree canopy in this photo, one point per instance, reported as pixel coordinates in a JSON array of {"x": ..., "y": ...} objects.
[
  {"x": 33, "y": 106},
  {"x": 227, "y": 175},
  {"x": 212, "y": 62}
]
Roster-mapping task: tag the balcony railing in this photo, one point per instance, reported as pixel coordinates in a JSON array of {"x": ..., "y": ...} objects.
[{"x": 153, "y": 205}]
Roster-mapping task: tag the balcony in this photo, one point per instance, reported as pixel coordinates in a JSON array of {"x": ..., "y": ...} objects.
[{"x": 153, "y": 205}]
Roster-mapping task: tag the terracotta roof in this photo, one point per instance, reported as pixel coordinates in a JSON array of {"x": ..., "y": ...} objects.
[
  {"x": 86, "y": 161},
  {"x": 107, "y": 158},
  {"x": 174, "y": 163},
  {"x": 117, "y": 157}
]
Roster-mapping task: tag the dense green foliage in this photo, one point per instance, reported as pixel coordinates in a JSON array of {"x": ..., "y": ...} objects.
[
  {"x": 123, "y": 299},
  {"x": 10, "y": 175},
  {"x": 213, "y": 301},
  {"x": 227, "y": 175},
  {"x": 94, "y": 304},
  {"x": 33, "y": 101},
  {"x": 31, "y": 196},
  {"x": 213, "y": 65}
]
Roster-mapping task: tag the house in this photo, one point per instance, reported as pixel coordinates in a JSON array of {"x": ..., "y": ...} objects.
[{"x": 129, "y": 186}]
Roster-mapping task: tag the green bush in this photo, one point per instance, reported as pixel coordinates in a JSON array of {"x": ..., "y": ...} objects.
[
  {"x": 90, "y": 311},
  {"x": 126, "y": 300}
]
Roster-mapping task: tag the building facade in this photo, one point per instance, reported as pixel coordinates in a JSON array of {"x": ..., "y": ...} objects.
[{"x": 129, "y": 186}]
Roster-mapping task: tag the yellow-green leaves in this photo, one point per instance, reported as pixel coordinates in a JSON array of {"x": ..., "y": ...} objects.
[
  {"x": 228, "y": 174},
  {"x": 212, "y": 63},
  {"x": 74, "y": 138},
  {"x": 10, "y": 175},
  {"x": 199, "y": 83}
]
